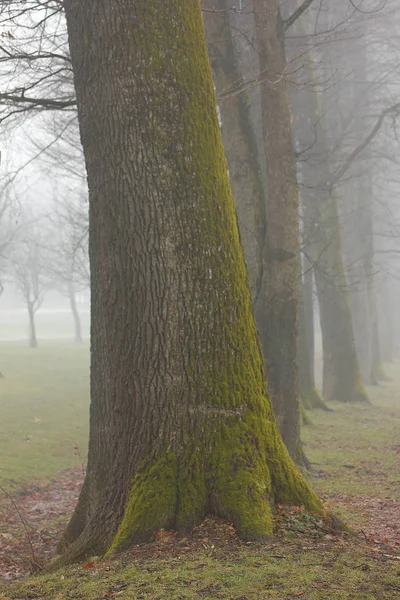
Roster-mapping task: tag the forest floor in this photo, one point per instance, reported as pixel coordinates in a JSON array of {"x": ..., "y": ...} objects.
[{"x": 355, "y": 455}]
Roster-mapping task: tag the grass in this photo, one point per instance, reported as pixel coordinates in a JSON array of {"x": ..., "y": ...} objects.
[
  {"x": 44, "y": 414},
  {"x": 357, "y": 447},
  {"x": 43, "y": 409},
  {"x": 253, "y": 573}
]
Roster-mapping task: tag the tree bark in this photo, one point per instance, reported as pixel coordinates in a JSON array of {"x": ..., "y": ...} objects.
[
  {"x": 32, "y": 327},
  {"x": 75, "y": 312},
  {"x": 276, "y": 307},
  {"x": 244, "y": 173},
  {"x": 180, "y": 422},
  {"x": 240, "y": 143}
]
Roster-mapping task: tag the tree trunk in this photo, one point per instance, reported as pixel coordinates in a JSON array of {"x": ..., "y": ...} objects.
[
  {"x": 244, "y": 173},
  {"x": 180, "y": 422},
  {"x": 308, "y": 299},
  {"x": 238, "y": 136},
  {"x": 323, "y": 247},
  {"x": 75, "y": 313},
  {"x": 32, "y": 327},
  {"x": 341, "y": 377},
  {"x": 276, "y": 308},
  {"x": 309, "y": 394},
  {"x": 386, "y": 321},
  {"x": 378, "y": 370}
]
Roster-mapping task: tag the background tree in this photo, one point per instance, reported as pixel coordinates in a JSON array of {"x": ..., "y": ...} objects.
[
  {"x": 265, "y": 189},
  {"x": 28, "y": 272},
  {"x": 68, "y": 252}
]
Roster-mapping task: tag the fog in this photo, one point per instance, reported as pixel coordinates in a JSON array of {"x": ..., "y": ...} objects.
[{"x": 310, "y": 122}]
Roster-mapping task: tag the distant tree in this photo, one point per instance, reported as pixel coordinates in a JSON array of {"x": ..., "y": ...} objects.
[
  {"x": 28, "y": 271},
  {"x": 68, "y": 252},
  {"x": 181, "y": 424}
]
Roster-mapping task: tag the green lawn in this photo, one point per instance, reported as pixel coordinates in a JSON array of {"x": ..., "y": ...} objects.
[
  {"x": 354, "y": 451},
  {"x": 283, "y": 572},
  {"x": 44, "y": 409},
  {"x": 357, "y": 446}
]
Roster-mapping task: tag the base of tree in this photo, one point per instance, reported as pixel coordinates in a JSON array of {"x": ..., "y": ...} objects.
[
  {"x": 304, "y": 418},
  {"x": 314, "y": 400},
  {"x": 380, "y": 373},
  {"x": 241, "y": 483},
  {"x": 301, "y": 458},
  {"x": 339, "y": 390}
]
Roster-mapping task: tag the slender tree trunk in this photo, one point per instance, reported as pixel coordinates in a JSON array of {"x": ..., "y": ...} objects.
[
  {"x": 341, "y": 377},
  {"x": 32, "y": 326},
  {"x": 244, "y": 173},
  {"x": 377, "y": 364},
  {"x": 308, "y": 298},
  {"x": 303, "y": 356},
  {"x": 309, "y": 394},
  {"x": 276, "y": 307},
  {"x": 356, "y": 207},
  {"x": 180, "y": 422},
  {"x": 386, "y": 321},
  {"x": 75, "y": 312}
]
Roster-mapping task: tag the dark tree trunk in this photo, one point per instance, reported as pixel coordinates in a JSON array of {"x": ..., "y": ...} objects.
[
  {"x": 75, "y": 312},
  {"x": 32, "y": 327},
  {"x": 276, "y": 308},
  {"x": 244, "y": 173},
  {"x": 180, "y": 422}
]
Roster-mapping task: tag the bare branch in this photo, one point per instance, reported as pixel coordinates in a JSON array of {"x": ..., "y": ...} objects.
[{"x": 297, "y": 14}]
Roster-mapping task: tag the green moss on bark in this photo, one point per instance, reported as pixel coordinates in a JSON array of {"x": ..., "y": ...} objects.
[
  {"x": 152, "y": 501},
  {"x": 240, "y": 475}
]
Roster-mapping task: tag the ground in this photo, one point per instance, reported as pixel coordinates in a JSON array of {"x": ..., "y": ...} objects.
[{"x": 354, "y": 452}]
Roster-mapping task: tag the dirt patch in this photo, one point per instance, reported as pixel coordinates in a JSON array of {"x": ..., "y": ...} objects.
[{"x": 32, "y": 521}]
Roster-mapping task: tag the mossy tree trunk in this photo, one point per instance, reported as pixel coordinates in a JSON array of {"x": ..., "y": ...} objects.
[
  {"x": 238, "y": 136},
  {"x": 244, "y": 173},
  {"x": 276, "y": 308},
  {"x": 180, "y": 421}
]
